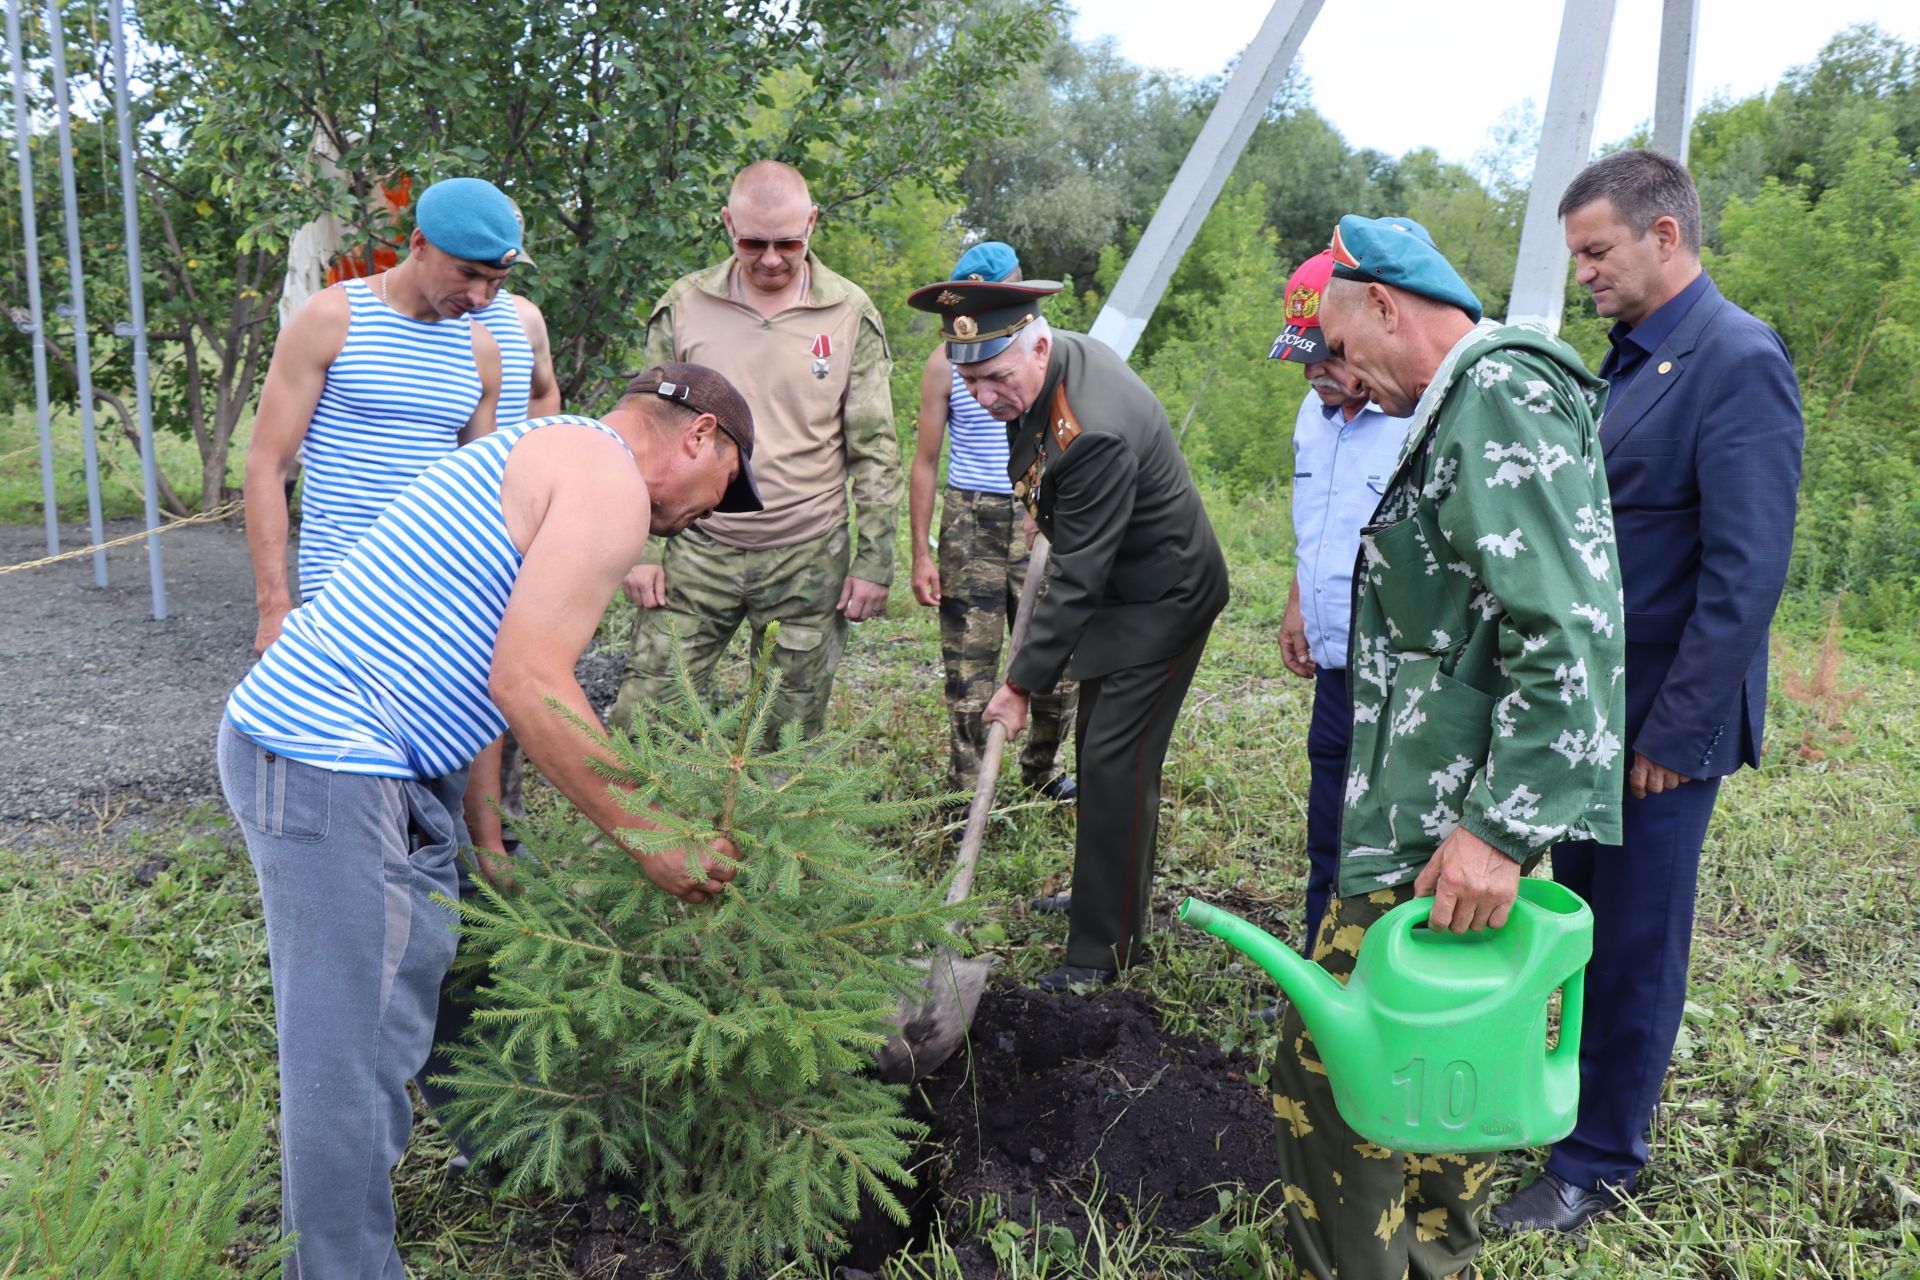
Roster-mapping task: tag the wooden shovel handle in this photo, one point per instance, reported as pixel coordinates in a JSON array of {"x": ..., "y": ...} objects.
[{"x": 996, "y": 737}]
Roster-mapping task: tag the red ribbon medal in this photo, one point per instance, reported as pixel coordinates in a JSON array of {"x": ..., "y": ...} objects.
[{"x": 822, "y": 348}]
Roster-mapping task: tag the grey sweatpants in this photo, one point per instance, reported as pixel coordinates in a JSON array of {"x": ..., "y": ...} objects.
[{"x": 347, "y": 865}]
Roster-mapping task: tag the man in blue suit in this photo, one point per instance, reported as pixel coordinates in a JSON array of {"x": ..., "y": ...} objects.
[{"x": 1701, "y": 436}]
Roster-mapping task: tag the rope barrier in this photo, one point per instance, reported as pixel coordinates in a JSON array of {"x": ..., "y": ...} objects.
[{"x": 173, "y": 522}]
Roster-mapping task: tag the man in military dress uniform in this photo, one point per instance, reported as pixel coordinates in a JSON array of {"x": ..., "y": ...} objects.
[
  {"x": 1131, "y": 590},
  {"x": 1487, "y": 661}
]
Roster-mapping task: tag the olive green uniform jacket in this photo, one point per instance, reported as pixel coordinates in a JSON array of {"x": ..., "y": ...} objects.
[
  {"x": 1135, "y": 574},
  {"x": 1488, "y": 650}
]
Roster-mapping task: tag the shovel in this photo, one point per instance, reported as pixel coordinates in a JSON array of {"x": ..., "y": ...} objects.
[{"x": 933, "y": 1027}]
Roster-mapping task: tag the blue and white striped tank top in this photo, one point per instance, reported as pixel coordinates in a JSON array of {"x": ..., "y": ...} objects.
[
  {"x": 977, "y": 452},
  {"x": 385, "y": 672},
  {"x": 516, "y": 357},
  {"x": 394, "y": 402}
]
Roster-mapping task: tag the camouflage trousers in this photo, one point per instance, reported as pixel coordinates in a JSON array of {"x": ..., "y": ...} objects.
[
  {"x": 712, "y": 588},
  {"x": 1353, "y": 1210},
  {"x": 983, "y": 564}
]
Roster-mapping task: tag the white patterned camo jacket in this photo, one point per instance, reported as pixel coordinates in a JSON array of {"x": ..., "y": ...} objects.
[{"x": 1488, "y": 651}]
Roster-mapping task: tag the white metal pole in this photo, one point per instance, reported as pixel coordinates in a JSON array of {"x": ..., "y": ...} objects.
[
  {"x": 1249, "y": 92},
  {"x": 1566, "y": 138},
  {"x": 1673, "y": 90},
  {"x": 36, "y": 324},
  {"x": 78, "y": 288},
  {"x": 137, "y": 303}
]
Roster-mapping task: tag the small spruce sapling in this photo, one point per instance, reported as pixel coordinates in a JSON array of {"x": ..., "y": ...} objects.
[{"x": 718, "y": 1054}]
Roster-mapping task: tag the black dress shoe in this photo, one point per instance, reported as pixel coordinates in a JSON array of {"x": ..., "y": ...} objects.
[
  {"x": 1069, "y": 976},
  {"x": 1053, "y": 904},
  {"x": 1060, "y": 787},
  {"x": 1551, "y": 1203}
]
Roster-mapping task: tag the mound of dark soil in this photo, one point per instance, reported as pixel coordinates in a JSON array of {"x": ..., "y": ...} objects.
[
  {"x": 1054, "y": 1092},
  {"x": 1058, "y": 1089}
]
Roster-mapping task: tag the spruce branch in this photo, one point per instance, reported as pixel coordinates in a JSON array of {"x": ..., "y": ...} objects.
[{"x": 718, "y": 1052}]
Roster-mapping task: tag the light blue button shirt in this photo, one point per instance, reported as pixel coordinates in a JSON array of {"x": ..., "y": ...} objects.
[{"x": 1340, "y": 470}]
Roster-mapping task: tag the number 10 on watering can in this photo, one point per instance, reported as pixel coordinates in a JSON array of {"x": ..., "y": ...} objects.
[{"x": 1438, "y": 1042}]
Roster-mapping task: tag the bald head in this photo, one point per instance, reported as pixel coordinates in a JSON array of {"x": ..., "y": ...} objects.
[
  {"x": 767, "y": 183},
  {"x": 1391, "y": 340},
  {"x": 770, "y": 216}
]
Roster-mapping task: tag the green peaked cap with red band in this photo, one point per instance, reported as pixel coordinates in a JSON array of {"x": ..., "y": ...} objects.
[{"x": 980, "y": 318}]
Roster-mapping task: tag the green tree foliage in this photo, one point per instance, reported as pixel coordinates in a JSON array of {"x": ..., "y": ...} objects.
[
  {"x": 1231, "y": 407},
  {"x": 1837, "y": 273},
  {"x": 717, "y": 1054},
  {"x": 617, "y": 126},
  {"x": 209, "y": 295},
  {"x": 155, "y": 1187},
  {"x": 1103, "y": 138}
]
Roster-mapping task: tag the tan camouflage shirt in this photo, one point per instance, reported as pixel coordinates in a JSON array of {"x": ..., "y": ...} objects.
[{"x": 817, "y": 378}]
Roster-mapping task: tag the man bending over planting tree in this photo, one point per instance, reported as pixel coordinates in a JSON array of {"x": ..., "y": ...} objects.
[{"x": 344, "y": 754}]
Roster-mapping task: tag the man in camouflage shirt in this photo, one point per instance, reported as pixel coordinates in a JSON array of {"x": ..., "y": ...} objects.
[
  {"x": 1487, "y": 658},
  {"x": 805, "y": 346}
]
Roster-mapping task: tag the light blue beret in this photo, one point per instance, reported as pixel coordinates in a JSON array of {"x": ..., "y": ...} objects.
[
  {"x": 989, "y": 260},
  {"x": 1399, "y": 252},
  {"x": 470, "y": 218}
]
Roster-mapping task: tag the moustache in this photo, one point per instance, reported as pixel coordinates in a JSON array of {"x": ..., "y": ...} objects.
[{"x": 1327, "y": 384}]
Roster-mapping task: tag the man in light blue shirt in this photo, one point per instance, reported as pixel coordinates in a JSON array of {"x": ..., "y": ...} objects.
[{"x": 1344, "y": 450}]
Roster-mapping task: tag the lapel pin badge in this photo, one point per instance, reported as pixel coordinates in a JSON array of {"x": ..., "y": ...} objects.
[{"x": 1666, "y": 366}]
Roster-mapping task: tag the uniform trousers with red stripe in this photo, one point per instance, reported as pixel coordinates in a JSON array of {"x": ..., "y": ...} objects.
[{"x": 1125, "y": 722}]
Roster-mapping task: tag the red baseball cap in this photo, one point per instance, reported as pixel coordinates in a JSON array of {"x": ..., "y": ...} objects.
[{"x": 1301, "y": 340}]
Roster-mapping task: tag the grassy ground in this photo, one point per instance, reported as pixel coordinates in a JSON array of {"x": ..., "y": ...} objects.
[
  {"x": 1787, "y": 1146},
  {"x": 21, "y": 496}
]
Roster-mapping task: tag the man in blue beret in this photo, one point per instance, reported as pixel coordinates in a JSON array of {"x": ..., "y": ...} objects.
[
  {"x": 1485, "y": 663},
  {"x": 983, "y": 556},
  {"x": 372, "y": 381}
]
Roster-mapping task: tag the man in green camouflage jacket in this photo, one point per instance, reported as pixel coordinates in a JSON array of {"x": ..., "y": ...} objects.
[
  {"x": 805, "y": 346},
  {"x": 1487, "y": 660}
]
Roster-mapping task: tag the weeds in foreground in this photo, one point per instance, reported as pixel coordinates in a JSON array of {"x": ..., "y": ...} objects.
[{"x": 1786, "y": 1145}]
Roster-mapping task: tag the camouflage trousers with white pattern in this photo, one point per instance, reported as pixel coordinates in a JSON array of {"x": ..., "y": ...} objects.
[{"x": 1353, "y": 1210}]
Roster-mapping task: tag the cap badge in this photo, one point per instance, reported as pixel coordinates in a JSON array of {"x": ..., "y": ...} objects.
[
  {"x": 948, "y": 298},
  {"x": 506, "y": 259},
  {"x": 1303, "y": 304},
  {"x": 1340, "y": 254},
  {"x": 964, "y": 327}
]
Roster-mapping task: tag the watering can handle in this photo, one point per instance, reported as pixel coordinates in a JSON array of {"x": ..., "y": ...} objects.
[{"x": 1420, "y": 909}]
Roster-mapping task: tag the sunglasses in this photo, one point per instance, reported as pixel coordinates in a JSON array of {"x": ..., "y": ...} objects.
[{"x": 748, "y": 244}]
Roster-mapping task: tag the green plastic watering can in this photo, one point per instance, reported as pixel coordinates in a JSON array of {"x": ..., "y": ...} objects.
[{"x": 1438, "y": 1042}]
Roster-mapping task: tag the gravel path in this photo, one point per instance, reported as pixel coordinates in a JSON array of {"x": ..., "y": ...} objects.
[{"x": 110, "y": 716}]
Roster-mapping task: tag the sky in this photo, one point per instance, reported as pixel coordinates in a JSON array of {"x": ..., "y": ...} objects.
[{"x": 1442, "y": 76}]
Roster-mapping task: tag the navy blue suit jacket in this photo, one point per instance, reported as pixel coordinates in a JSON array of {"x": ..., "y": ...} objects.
[{"x": 1703, "y": 459}]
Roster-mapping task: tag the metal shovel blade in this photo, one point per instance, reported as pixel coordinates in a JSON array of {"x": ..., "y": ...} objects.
[{"x": 931, "y": 1031}]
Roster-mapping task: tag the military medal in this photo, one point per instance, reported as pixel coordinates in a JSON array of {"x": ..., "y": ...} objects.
[{"x": 822, "y": 348}]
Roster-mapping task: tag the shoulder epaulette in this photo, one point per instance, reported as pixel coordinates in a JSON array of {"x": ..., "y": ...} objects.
[{"x": 1066, "y": 427}]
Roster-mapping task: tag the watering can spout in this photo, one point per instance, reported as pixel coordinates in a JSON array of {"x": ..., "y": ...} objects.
[{"x": 1328, "y": 1009}]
